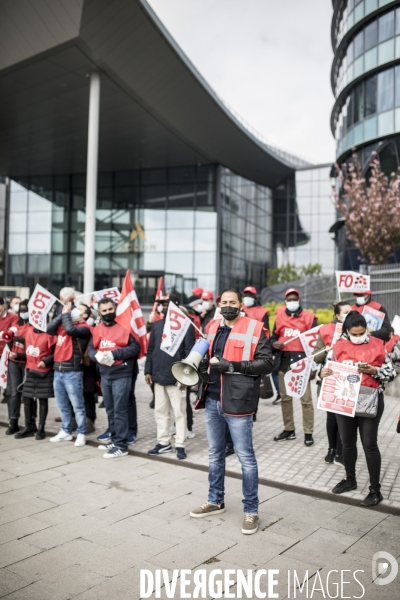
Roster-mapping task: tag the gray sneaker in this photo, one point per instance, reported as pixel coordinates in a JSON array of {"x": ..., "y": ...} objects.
[
  {"x": 207, "y": 509},
  {"x": 250, "y": 524}
]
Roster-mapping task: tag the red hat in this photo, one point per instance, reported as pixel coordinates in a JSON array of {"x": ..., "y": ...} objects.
[
  {"x": 369, "y": 292},
  {"x": 197, "y": 291},
  {"x": 250, "y": 289},
  {"x": 291, "y": 291},
  {"x": 207, "y": 296}
]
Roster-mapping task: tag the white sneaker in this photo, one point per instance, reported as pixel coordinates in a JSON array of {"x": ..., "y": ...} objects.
[
  {"x": 190, "y": 434},
  {"x": 62, "y": 436},
  {"x": 80, "y": 439}
]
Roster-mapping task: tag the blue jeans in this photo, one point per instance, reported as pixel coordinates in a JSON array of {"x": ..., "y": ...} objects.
[
  {"x": 241, "y": 430},
  {"x": 116, "y": 393},
  {"x": 68, "y": 389}
]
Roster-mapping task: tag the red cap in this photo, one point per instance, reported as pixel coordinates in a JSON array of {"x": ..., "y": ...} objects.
[
  {"x": 250, "y": 289},
  {"x": 291, "y": 291},
  {"x": 369, "y": 292},
  {"x": 207, "y": 296},
  {"x": 197, "y": 291}
]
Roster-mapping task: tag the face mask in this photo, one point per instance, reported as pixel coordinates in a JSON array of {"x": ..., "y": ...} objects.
[
  {"x": 229, "y": 312},
  {"x": 198, "y": 308},
  {"x": 247, "y": 301},
  {"x": 24, "y": 316},
  {"x": 90, "y": 321},
  {"x": 360, "y": 301},
  {"x": 293, "y": 305},
  {"x": 108, "y": 317},
  {"x": 159, "y": 308},
  {"x": 16, "y": 308},
  {"x": 205, "y": 305},
  {"x": 358, "y": 340},
  {"x": 95, "y": 306},
  {"x": 75, "y": 314},
  {"x": 342, "y": 318}
]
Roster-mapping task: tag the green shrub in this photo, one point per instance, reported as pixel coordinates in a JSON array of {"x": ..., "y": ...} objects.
[{"x": 324, "y": 315}]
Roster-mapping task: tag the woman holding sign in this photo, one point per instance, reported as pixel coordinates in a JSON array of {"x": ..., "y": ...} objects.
[{"x": 356, "y": 347}]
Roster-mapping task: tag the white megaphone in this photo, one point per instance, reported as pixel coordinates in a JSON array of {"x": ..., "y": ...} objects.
[{"x": 186, "y": 370}]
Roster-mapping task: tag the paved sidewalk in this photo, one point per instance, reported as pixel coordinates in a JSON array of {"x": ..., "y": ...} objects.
[
  {"x": 73, "y": 525},
  {"x": 283, "y": 462}
]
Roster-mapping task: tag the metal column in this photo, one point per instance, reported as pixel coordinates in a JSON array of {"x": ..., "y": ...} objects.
[{"x": 91, "y": 181}]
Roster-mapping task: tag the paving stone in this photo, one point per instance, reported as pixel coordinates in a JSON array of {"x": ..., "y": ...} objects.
[
  {"x": 24, "y": 509},
  {"x": 19, "y": 529},
  {"x": 257, "y": 549},
  {"x": 15, "y": 551},
  {"x": 63, "y": 532},
  {"x": 354, "y": 521},
  {"x": 384, "y": 536},
  {"x": 322, "y": 546}
]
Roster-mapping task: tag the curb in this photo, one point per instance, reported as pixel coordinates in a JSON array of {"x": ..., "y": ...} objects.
[{"x": 287, "y": 487}]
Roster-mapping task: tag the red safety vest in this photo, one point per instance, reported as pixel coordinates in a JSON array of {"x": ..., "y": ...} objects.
[
  {"x": 7, "y": 321},
  {"x": 326, "y": 332},
  {"x": 287, "y": 326},
  {"x": 39, "y": 345},
  {"x": 391, "y": 343},
  {"x": 255, "y": 312},
  {"x": 372, "y": 304},
  {"x": 20, "y": 346},
  {"x": 107, "y": 338},
  {"x": 242, "y": 341},
  {"x": 64, "y": 348},
  {"x": 372, "y": 353}
]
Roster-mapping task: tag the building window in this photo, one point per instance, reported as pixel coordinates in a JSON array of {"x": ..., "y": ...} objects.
[
  {"x": 386, "y": 26},
  {"x": 371, "y": 35},
  {"x": 370, "y": 96},
  {"x": 385, "y": 90}
]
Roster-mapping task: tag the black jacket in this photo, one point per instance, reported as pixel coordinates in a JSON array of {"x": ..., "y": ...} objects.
[
  {"x": 241, "y": 389},
  {"x": 208, "y": 317},
  {"x": 384, "y": 332},
  {"x": 127, "y": 355},
  {"x": 159, "y": 363},
  {"x": 82, "y": 333},
  {"x": 284, "y": 359}
]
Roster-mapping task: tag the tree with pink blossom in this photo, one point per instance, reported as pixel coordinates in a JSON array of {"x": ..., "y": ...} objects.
[{"x": 371, "y": 209}]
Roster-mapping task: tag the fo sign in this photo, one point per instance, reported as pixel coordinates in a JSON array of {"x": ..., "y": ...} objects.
[{"x": 351, "y": 281}]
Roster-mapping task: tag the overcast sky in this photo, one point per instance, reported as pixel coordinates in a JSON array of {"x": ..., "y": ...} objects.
[{"x": 269, "y": 60}]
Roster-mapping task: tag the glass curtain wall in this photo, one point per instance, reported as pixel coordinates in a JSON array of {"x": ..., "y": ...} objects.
[
  {"x": 152, "y": 221},
  {"x": 246, "y": 231}
]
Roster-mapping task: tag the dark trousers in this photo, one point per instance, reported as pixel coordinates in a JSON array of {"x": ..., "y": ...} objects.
[
  {"x": 116, "y": 393},
  {"x": 332, "y": 430},
  {"x": 132, "y": 410},
  {"x": 16, "y": 372},
  {"x": 30, "y": 410},
  {"x": 189, "y": 410},
  {"x": 90, "y": 405},
  {"x": 369, "y": 438}
]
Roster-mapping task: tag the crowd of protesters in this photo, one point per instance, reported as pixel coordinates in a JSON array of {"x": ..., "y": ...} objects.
[{"x": 85, "y": 353}]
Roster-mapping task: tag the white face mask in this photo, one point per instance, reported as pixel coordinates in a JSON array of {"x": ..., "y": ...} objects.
[
  {"x": 247, "y": 301},
  {"x": 205, "y": 305},
  {"x": 24, "y": 316},
  {"x": 342, "y": 318},
  {"x": 358, "y": 339},
  {"x": 360, "y": 301},
  {"x": 75, "y": 314},
  {"x": 293, "y": 305},
  {"x": 90, "y": 321},
  {"x": 16, "y": 308},
  {"x": 198, "y": 308}
]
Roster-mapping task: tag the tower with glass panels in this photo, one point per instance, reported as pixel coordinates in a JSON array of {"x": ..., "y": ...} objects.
[{"x": 365, "y": 80}]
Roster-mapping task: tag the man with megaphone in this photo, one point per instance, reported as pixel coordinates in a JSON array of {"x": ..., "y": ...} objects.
[{"x": 239, "y": 354}]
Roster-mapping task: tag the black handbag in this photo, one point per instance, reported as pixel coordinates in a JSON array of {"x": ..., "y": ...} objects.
[{"x": 266, "y": 389}]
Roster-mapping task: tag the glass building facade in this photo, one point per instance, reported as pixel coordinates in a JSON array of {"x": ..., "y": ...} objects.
[{"x": 193, "y": 225}]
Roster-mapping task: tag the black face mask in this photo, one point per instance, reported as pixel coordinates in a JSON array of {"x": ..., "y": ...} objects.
[
  {"x": 108, "y": 317},
  {"x": 230, "y": 312}
]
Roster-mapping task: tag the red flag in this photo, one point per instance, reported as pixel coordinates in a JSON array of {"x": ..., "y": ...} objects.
[
  {"x": 159, "y": 292},
  {"x": 129, "y": 314}
]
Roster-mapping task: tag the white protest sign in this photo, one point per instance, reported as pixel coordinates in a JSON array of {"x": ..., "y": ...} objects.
[
  {"x": 373, "y": 317},
  {"x": 4, "y": 367},
  {"x": 112, "y": 293},
  {"x": 396, "y": 324},
  {"x": 175, "y": 328},
  {"x": 296, "y": 379},
  {"x": 309, "y": 341},
  {"x": 217, "y": 316},
  {"x": 39, "y": 305},
  {"x": 337, "y": 333},
  {"x": 339, "y": 392},
  {"x": 352, "y": 282}
]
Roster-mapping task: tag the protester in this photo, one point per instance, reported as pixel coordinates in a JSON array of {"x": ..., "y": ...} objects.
[
  {"x": 253, "y": 308},
  {"x": 358, "y": 347},
  {"x": 291, "y": 320},
  {"x": 208, "y": 309},
  {"x": 167, "y": 391},
  {"x": 38, "y": 383},
  {"x": 7, "y": 320},
  {"x": 325, "y": 338},
  {"x": 16, "y": 366},
  {"x": 364, "y": 299},
  {"x": 70, "y": 328},
  {"x": 14, "y": 304},
  {"x": 113, "y": 348},
  {"x": 239, "y": 354},
  {"x": 89, "y": 373},
  {"x": 393, "y": 349}
]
